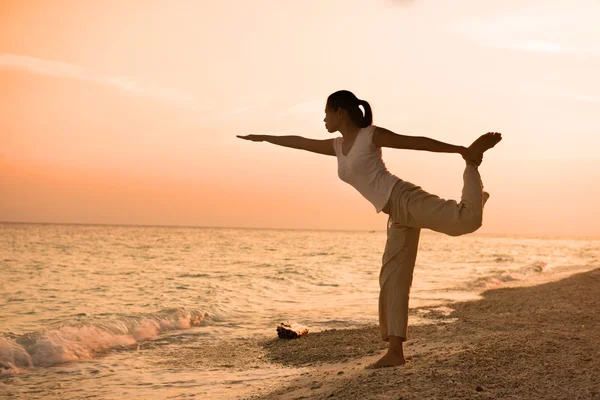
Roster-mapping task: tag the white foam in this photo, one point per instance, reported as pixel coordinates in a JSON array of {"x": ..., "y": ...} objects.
[
  {"x": 72, "y": 343},
  {"x": 13, "y": 356}
]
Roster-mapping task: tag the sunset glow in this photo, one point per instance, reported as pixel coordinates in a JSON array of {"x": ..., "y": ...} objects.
[{"x": 127, "y": 112}]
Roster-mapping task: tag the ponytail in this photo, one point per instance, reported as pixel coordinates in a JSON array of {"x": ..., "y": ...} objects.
[{"x": 368, "y": 118}]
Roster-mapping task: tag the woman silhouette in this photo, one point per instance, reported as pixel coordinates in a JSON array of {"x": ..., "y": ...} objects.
[{"x": 410, "y": 208}]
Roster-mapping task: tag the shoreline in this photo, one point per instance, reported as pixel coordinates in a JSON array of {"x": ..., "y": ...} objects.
[{"x": 533, "y": 342}]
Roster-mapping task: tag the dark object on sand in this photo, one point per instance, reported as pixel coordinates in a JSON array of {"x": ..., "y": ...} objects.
[{"x": 293, "y": 330}]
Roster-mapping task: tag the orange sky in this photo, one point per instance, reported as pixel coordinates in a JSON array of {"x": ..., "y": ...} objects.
[{"x": 126, "y": 112}]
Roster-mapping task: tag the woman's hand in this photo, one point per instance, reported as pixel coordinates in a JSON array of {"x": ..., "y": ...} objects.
[{"x": 254, "y": 138}]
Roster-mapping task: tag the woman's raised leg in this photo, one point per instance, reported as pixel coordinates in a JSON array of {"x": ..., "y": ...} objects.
[
  {"x": 414, "y": 207},
  {"x": 425, "y": 210}
]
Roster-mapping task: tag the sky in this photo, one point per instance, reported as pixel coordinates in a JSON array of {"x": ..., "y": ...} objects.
[{"x": 126, "y": 112}]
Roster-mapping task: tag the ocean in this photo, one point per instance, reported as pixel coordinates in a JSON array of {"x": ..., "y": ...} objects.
[{"x": 114, "y": 312}]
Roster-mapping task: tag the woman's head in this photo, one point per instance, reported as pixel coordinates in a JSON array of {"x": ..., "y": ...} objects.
[{"x": 343, "y": 107}]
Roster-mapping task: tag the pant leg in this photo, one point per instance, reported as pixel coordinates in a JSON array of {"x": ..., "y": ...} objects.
[
  {"x": 395, "y": 279},
  {"x": 416, "y": 208}
]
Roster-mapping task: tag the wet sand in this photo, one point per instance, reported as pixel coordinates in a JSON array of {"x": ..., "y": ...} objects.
[{"x": 540, "y": 342}]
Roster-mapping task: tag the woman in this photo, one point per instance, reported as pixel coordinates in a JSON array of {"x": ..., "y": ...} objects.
[{"x": 409, "y": 207}]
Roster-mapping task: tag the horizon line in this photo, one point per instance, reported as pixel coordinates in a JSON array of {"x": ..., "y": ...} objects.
[{"x": 544, "y": 236}]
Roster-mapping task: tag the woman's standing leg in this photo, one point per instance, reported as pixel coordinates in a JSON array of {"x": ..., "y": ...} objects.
[{"x": 395, "y": 280}]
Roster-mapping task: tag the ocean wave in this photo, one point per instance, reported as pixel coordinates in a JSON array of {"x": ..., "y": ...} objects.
[
  {"x": 317, "y": 254},
  {"x": 194, "y": 276},
  {"x": 502, "y": 258},
  {"x": 500, "y": 279},
  {"x": 85, "y": 341}
]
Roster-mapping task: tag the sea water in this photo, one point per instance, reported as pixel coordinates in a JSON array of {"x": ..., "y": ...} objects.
[{"x": 113, "y": 312}]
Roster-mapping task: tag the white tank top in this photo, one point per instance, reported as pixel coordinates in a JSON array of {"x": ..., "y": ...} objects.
[{"x": 364, "y": 168}]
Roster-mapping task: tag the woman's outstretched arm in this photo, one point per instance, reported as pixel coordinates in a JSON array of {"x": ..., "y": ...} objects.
[
  {"x": 296, "y": 142},
  {"x": 386, "y": 138}
]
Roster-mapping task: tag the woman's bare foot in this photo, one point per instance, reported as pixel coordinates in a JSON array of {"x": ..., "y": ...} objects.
[
  {"x": 390, "y": 359},
  {"x": 485, "y": 142},
  {"x": 474, "y": 153}
]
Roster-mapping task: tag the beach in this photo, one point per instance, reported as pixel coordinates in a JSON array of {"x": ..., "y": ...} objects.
[
  {"x": 537, "y": 342},
  {"x": 165, "y": 312}
]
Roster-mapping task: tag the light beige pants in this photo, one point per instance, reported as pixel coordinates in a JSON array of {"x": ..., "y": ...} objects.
[{"x": 411, "y": 208}]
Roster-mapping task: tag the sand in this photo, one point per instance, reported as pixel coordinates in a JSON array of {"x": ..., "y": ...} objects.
[{"x": 540, "y": 342}]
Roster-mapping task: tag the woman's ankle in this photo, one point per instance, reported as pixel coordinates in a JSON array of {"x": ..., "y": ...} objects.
[{"x": 396, "y": 346}]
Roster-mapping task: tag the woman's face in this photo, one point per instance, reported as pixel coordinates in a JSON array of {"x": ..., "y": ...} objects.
[{"x": 332, "y": 119}]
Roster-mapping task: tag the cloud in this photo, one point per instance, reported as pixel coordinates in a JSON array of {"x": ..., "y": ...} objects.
[
  {"x": 588, "y": 99},
  {"x": 538, "y": 46},
  {"x": 237, "y": 111},
  {"x": 314, "y": 107},
  {"x": 538, "y": 29},
  {"x": 402, "y": 2},
  {"x": 71, "y": 71},
  {"x": 232, "y": 112}
]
